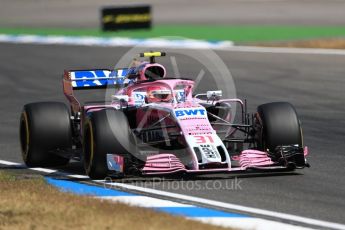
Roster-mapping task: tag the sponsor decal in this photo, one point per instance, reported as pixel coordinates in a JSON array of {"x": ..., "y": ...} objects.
[
  {"x": 129, "y": 17},
  {"x": 180, "y": 95},
  {"x": 208, "y": 151},
  {"x": 115, "y": 162},
  {"x": 139, "y": 97},
  {"x": 96, "y": 78},
  {"x": 199, "y": 112}
]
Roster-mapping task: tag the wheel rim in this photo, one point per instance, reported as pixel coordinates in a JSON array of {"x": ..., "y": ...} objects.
[
  {"x": 88, "y": 147},
  {"x": 24, "y": 135}
]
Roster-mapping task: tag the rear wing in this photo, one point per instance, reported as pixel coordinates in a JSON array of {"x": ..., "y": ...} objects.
[
  {"x": 90, "y": 79},
  {"x": 98, "y": 78}
]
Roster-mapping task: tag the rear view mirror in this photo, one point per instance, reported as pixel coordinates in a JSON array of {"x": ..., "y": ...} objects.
[{"x": 214, "y": 94}]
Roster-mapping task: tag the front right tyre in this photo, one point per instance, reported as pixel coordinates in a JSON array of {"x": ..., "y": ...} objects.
[{"x": 279, "y": 125}]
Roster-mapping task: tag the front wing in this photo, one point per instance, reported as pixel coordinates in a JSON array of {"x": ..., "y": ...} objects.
[{"x": 168, "y": 164}]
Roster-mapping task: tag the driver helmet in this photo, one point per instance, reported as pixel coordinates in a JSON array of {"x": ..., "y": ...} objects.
[{"x": 158, "y": 94}]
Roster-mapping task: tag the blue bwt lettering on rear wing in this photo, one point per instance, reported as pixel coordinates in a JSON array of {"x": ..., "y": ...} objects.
[
  {"x": 90, "y": 79},
  {"x": 101, "y": 78}
]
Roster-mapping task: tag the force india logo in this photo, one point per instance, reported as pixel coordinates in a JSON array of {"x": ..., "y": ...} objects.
[{"x": 190, "y": 112}]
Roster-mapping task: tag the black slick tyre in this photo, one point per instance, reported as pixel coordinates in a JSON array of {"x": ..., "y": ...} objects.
[
  {"x": 279, "y": 125},
  {"x": 104, "y": 132},
  {"x": 44, "y": 127}
]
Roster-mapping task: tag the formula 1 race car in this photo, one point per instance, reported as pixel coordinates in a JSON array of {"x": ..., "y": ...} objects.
[{"x": 154, "y": 125}]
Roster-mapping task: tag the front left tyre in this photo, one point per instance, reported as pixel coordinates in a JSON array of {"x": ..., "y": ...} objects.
[
  {"x": 105, "y": 132},
  {"x": 44, "y": 128}
]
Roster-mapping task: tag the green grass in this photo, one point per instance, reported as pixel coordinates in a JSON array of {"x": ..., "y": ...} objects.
[
  {"x": 239, "y": 34},
  {"x": 6, "y": 176}
]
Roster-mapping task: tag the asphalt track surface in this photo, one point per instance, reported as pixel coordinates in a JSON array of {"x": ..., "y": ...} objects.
[
  {"x": 313, "y": 83},
  {"x": 86, "y": 14}
]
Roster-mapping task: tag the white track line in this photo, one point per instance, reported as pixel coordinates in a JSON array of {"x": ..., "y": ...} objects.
[
  {"x": 159, "y": 42},
  {"x": 207, "y": 202},
  {"x": 244, "y": 223},
  {"x": 283, "y": 50},
  {"x": 262, "y": 212},
  {"x": 45, "y": 170},
  {"x": 145, "y": 201},
  {"x": 10, "y": 163},
  {"x": 114, "y": 41},
  {"x": 248, "y": 223}
]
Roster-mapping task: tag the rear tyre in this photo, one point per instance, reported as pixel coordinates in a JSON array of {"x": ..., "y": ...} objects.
[
  {"x": 104, "y": 132},
  {"x": 44, "y": 126},
  {"x": 279, "y": 125}
]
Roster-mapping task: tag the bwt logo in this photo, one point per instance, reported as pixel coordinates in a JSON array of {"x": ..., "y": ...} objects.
[
  {"x": 189, "y": 112},
  {"x": 139, "y": 96}
]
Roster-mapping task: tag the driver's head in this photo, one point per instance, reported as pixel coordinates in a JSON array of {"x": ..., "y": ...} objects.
[{"x": 158, "y": 94}]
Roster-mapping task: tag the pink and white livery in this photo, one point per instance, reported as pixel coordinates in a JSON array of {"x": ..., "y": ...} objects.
[{"x": 154, "y": 125}]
